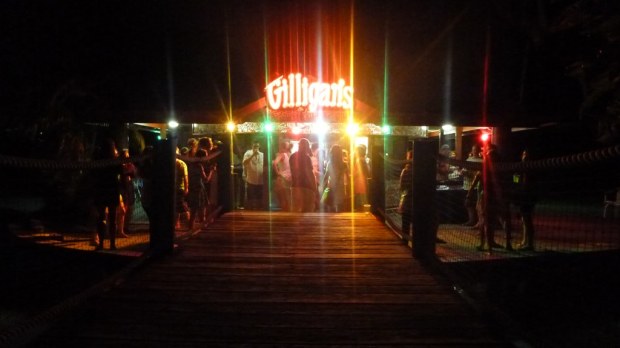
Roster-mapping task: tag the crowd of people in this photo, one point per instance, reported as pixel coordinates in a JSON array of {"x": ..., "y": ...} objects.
[
  {"x": 307, "y": 180},
  {"x": 116, "y": 188},
  {"x": 304, "y": 181},
  {"x": 115, "y": 195},
  {"x": 490, "y": 194},
  {"x": 196, "y": 182}
]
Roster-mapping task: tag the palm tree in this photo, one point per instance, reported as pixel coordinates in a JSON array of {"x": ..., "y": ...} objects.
[{"x": 583, "y": 38}]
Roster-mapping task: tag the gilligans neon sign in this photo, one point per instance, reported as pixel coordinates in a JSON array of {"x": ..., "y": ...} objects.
[{"x": 295, "y": 91}]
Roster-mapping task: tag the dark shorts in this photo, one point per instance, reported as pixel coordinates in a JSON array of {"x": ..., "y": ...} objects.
[
  {"x": 181, "y": 206},
  {"x": 255, "y": 191},
  {"x": 196, "y": 198}
]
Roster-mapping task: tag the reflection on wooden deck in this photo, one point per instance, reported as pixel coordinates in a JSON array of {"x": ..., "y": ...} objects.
[
  {"x": 553, "y": 234},
  {"x": 134, "y": 245},
  {"x": 280, "y": 279}
]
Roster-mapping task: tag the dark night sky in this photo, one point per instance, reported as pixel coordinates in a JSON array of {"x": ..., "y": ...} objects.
[{"x": 117, "y": 50}]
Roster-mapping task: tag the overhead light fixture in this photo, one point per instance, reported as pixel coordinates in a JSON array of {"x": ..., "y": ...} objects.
[
  {"x": 268, "y": 127},
  {"x": 352, "y": 128},
  {"x": 320, "y": 127},
  {"x": 447, "y": 128}
]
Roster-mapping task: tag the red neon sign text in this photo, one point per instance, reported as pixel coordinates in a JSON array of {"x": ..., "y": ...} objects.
[{"x": 295, "y": 91}]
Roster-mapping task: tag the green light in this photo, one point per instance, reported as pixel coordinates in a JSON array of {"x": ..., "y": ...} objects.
[
  {"x": 386, "y": 129},
  {"x": 268, "y": 127}
]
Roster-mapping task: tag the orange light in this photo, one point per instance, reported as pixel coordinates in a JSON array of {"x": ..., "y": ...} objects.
[{"x": 352, "y": 129}]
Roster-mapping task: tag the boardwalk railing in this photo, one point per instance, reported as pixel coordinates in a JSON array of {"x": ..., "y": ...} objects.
[
  {"x": 567, "y": 195},
  {"x": 54, "y": 201},
  {"x": 49, "y": 221}
]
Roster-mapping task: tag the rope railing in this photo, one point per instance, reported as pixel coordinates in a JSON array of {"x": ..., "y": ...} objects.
[
  {"x": 570, "y": 161},
  {"x": 569, "y": 194},
  {"x": 47, "y": 204},
  {"x": 42, "y": 163},
  {"x": 206, "y": 159}
]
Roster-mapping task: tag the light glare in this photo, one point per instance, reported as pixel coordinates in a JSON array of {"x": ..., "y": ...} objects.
[
  {"x": 352, "y": 128},
  {"x": 447, "y": 128},
  {"x": 320, "y": 128}
]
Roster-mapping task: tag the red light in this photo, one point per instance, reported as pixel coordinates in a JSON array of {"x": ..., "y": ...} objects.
[{"x": 484, "y": 137}]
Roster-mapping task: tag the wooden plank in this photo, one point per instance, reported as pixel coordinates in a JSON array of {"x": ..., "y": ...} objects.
[{"x": 279, "y": 279}]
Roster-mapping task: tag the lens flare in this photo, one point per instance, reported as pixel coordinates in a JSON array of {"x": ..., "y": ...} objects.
[
  {"x": 352, "y": 128},
  {"x": 320, "y": 127}
]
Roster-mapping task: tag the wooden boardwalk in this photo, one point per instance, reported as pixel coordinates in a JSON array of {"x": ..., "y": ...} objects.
[{"x": 279, "y": 279}]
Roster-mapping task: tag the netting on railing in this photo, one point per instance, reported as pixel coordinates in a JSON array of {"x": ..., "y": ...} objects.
[
  {"x": 59, "y": 202},
  {"x": 573, "y": 201},
  {"x": 55, "y": 202}
]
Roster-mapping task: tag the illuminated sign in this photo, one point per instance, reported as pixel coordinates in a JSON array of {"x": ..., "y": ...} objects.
[{"x": 296, "y": 92}]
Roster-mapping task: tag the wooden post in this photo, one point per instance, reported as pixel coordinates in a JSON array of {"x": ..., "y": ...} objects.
[
  {"x": 424, "y": 214},
  {"x": 225, "y": 180},
  {"x": 442, "y": 138},
  {"x": 458, "y": 143},
  {"x": 502, "y": 137},
  {"x": 164, "y": 213}
]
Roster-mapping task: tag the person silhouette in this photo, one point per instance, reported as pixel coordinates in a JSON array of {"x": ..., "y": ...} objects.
[
  {"x": 303, "y": 183},
  {"x": 525, "y": 199},
  {"x": 253, "y": 161},
  {"x": 493, "y": 202},
  {"x": 334, "y": 180},
  {"x": 107, "y": 194}
]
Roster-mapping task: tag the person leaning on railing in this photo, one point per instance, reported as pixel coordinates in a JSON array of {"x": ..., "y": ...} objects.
[{"x": 406, "y": 196}]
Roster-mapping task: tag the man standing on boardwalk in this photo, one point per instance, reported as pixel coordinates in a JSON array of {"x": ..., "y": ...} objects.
[
  {"x": 253, "y": 173},
  {"x": 303, "y": 181}
]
